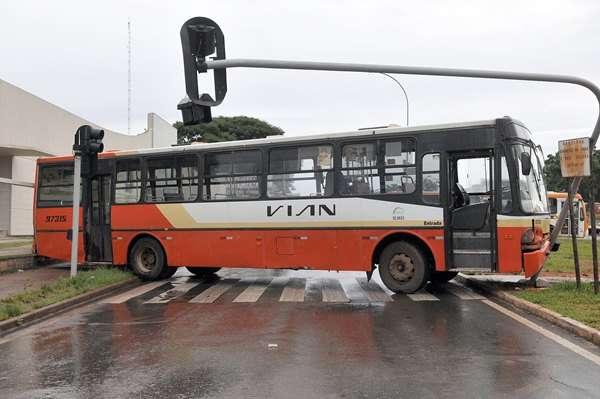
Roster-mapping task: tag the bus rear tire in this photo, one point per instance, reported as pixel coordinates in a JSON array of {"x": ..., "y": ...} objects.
[
  {"x": 403, "y": 267},
  {"x": 203, "y": 271},
  {"x": 147, "y": 260},
  {"x": 442, "y": 277}
]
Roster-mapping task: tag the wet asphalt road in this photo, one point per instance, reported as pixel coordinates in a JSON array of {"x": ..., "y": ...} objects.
[{"x": 445, "y": 348}]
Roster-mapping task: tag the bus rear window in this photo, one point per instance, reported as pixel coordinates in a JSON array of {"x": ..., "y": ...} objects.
[{"x": 55, "y": 186}]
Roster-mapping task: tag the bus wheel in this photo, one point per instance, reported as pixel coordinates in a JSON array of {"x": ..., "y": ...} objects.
[
  {"x": 203, "y": 271},
  {"x": 442, "y": 277},
  {"x": 147, "y": 259},
  {"x": 403, "y": 267}
]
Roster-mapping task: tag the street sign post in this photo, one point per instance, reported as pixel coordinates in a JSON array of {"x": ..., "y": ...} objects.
[{"x": 576, "y": 161}]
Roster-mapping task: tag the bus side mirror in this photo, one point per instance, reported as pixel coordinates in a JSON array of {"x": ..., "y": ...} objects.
[{"x": 525, "y": 164}]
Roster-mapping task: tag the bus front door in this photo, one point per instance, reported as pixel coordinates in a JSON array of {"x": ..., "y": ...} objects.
[
  {"x": 100, "y": 242},
  {"x": 471, "y": 215}
]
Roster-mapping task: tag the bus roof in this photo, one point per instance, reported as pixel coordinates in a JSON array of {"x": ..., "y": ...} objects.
[{"x": 284, "y": 139}]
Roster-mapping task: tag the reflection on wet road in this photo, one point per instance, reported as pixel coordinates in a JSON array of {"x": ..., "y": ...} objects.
[{"x": 280, "y": 334}]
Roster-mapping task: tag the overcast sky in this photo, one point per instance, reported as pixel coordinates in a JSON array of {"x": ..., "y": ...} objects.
[{"x": 74, "y": 54}]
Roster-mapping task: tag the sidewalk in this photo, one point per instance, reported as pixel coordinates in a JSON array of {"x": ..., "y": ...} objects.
[
  {"x": 14, "y": 247},
  {"x": 16, "y": 282}
]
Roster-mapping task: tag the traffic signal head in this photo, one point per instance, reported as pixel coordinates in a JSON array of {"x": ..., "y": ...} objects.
[
  {"x": 95, "y": 137},
  {"x": 88, "y": 140},
  {"x": 201, "y": 38}
]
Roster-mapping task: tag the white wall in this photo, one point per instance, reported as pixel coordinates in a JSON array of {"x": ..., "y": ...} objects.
[
  {"x": 21, "y": 198},
  {"x": 163, "y": 133},
  {"x": 5, "y": 171}
]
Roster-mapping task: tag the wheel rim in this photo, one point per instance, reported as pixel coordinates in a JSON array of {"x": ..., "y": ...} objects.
[
  {"x": 402, "y": 267},
  {"x": 146, "y": 259}
]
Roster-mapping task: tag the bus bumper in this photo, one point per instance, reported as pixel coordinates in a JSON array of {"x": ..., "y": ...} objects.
[{"x": 533, "y": 261}]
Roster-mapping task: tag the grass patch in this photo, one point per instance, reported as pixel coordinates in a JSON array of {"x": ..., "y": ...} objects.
[
  {"x": 59, "y": 290},
  {"x": 562, "y": 260},
  {"x": 14, "y": 244},
  {"x": 563, "y": 298}
]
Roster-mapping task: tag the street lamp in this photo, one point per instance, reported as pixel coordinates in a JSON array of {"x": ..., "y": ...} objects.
[{"x": 403, "y": 91}]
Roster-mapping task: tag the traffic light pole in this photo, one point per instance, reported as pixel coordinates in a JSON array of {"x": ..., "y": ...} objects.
[{"x": 75, "y": 227}]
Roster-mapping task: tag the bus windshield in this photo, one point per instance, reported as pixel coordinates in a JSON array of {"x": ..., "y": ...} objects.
[{"x": 532, "y": 191}]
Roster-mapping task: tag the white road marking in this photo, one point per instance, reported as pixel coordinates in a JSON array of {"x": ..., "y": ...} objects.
[
  {"x": 548, "y": 334},
  {"x": 175, "y": 292},
  {"x": 333, "y": 291},
  {"x": 293, "y": 291},
  {"x": 253, "y": 292},
  {"x": 124, "y": 297},
  {"x": 213, "y": 292},
  {"x": 374, "y": 292},
  {"x": 463, "y": 292},
  {"x": 422, "y": 296}
]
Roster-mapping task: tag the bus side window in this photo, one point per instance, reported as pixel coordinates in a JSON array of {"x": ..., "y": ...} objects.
[
  {"x": 300, "y": 172},
  {"x": 430, "y": 178},
  {"x": 169, "y": 180},
  {"x": 232, "y": 175},
  {"x": 128, "y": 186},
  {"x": 506, "y": 188},
  {"x": 359, "y": 169},
  {"x": 400, "y": 169}
]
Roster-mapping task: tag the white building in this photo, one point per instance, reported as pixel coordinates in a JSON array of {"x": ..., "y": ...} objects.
[{"x": 31, "y": 127}]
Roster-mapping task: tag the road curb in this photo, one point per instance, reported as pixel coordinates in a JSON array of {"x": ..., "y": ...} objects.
[
  {"x": 573, "y": 326},
  {"x": 35, "y": 316}
]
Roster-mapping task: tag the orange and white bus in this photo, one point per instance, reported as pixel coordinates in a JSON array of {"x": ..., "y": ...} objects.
[
  {"x": 418, "y": 203},
  {"x": 556, "y": 201}
]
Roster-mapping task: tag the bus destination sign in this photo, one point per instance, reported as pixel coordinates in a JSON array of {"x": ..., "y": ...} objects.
[{"x": 575, "y": 157}]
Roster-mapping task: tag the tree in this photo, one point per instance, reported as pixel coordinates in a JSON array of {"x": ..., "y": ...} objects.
[
  {"x": 225, "y": 128},
  {"x": 555, "y": 181}
]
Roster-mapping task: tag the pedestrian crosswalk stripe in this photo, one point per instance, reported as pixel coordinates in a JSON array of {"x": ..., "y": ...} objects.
[
  {"x": 293, "y": 291},
  {"x": 373, "y": 291},
  {"x": 289, "y": 289},
  {"x": 175, "y": 292},
  {"x": 124, "y": 297},
  {"x": 422, "y": 296},
  {"x": 253, "y": 292},
  {"x": 462, "y": 292},
  {"x": 333, "y": 291},
  {"x": 213, "y": 292}
]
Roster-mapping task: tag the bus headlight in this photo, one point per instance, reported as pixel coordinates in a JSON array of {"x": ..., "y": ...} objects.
[{"x": 528, "y": 237}]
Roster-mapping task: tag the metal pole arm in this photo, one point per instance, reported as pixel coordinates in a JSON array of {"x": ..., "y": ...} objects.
[{"x": 427, "y": 71}]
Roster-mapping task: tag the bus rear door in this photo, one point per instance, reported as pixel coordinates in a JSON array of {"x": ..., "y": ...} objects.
[{"x": 100, "y": 240}]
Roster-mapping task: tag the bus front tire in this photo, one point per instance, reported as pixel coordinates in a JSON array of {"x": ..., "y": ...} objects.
[
  {"x": 148, "y": 261},
  {"x": 203, "y": 271},
  {"x": 403, "y": 267},
  {"x": 442, "y": 277}
]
